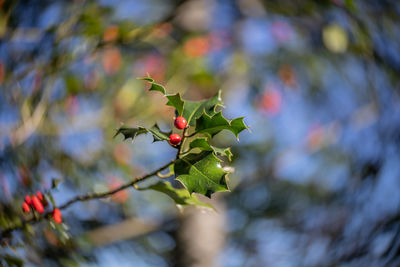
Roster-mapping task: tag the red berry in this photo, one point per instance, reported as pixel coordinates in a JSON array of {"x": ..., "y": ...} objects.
[
  {"x": 174, "y": 139},
  {"x": 37, "y": 204},
  {"x": 57, "y": 215},
  {"x": 39, "y": 195},
  {"x": 26, "y": 208},
  {"x": 180, "y": 123},
  {"x": 28, "y": 200}
]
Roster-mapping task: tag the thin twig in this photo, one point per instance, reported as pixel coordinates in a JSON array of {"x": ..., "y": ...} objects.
[{"x": 84, "y": 198}]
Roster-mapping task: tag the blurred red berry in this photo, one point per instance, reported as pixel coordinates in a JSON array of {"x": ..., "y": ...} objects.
[
  {"x": 288, "y": 75},
  {"x": 110, "y": 34},
  {"x": 28, "y": 200},
  {"x": 180, "y": 123},
  {"x": 57, "y": 215},
  {"x": 113, "y": 183},
  {"x": 112, "y": 60},
  {"x": 26, "y": 208},
  {"x": 39, "y": 195},
  {"x": 37, "y": 204},
  {"x": 271, "y": 102},
  {"x": 196, "y": 46},
  {"x": 2, "y": 67},
  {"x": 174, "y": 139},
  {"x": 162, "y": 30}
]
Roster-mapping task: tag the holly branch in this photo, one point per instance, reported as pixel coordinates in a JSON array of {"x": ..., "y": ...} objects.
[{"x": 198, "y": 168}]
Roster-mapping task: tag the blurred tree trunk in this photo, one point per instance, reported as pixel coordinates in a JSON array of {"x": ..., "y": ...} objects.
[{"x": 200, "y": 236}]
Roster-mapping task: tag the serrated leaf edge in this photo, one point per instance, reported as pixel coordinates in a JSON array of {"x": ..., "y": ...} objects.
[{"x": 229, "y": 121}]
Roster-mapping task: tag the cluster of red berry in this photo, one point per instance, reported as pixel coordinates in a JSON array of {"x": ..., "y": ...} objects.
[
  {"x": 38, "y": 203},
  {"x": 180, "y": 123}
]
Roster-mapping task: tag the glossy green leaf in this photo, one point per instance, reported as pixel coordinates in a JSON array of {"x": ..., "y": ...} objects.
[
  {"x": 180, "y": 196},
  {"x": 212, "y": 125},
  {"x": 193, "y": 110},
  {"x": 158, "y": 135},
  {"x": 201, "y": 173},
  {"x": 202, "y": 144},
  {"x": 176, "y": 102},
  {"x": 190, "y": 110}
]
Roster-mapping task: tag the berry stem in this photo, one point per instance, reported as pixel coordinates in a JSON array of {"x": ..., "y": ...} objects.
[
  {"x": 185, "y": 152},
  {"x": 178, "y": 153},
  {"x": 190, "y": 135}
]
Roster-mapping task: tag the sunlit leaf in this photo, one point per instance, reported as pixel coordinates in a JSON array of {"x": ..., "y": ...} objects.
[
  {"x": 202, "y": 144},
  {"x": 201, "y": 173},
  {"x": 193, "y": 110},
  {"x": 176, "y": 102},
  {"x": 212, "y": 125}
]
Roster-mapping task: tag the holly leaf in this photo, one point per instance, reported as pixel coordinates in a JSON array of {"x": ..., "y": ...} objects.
[
  {"x": 190, "y": 110},
  {"x": 193, "y": 110},
  {"x": 158, "y": 135},
  {"x": 211, "y": 125},
  {"x": 202, "y": 144},
  {"x": 201, "y": 173},
  {"x": 174, "y": 101},
  {"x": 154, "y": 86},
  {"x": 180, "y": 196}
]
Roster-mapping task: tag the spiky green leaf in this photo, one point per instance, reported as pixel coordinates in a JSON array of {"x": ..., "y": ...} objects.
[
  {"x": 176, "y": 102},
  {"x": 190, "y": 110},
  {"x": 211, "y": 125},
  {"x": 158, "y": 135},
  {"x": 202, "y": 144},
  {"x": 193, "y": 110},
  {"x": 154, "y": 86},
  {"x": 180, "y": 196},
  {"x": 201, "y": 173}
]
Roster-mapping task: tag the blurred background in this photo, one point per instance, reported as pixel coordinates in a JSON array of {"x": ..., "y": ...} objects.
[{"x": 316, "y": 183}]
